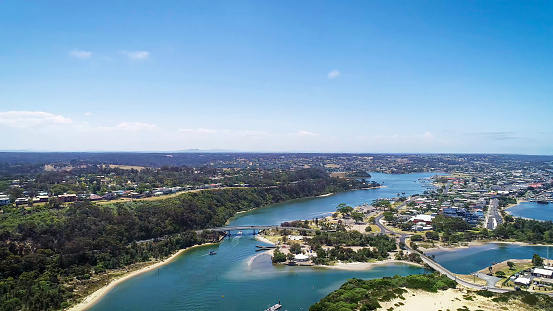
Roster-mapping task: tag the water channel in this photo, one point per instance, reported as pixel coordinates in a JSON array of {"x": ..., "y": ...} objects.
[{"x": 239, "y": 279}]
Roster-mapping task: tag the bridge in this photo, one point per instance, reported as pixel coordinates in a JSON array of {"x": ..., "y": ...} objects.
[
  {"x": 241, "y": 228},
  {"x": 434, "y": 265}
]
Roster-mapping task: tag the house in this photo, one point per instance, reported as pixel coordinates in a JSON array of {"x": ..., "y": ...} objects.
[
  {"x": 67, "y": 198},
  {"x": 20, "y": 201},
  {"x": 94, "y": 197},
  {"x": 4, "y": 200},
  {"x": 422, "y": 220},
  {"x": 522, "y": 281},
  {"x": 40, "y": 199},
  {"x": 546, "y": 273},
  {"x": 301, "y": 258}
]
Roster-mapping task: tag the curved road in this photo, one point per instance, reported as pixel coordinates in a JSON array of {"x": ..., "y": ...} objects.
[{"x": 434, "y": 265}]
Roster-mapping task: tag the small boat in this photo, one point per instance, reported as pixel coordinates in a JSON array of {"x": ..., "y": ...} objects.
[
  {"x": 212, "y": 252},
  {"x": 274, "y": 307},
  {"x": 239, "y": 232}
]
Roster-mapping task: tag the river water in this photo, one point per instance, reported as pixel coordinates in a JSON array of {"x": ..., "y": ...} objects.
[
  {"x": 474, "y": 258},
  {"x": 237, "y": 278},
  {"x": 532, "y": 210}
]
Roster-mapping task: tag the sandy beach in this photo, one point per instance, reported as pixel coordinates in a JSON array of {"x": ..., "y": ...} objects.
[
  {"x": 477, "y": 243},
  {"x": 262, "y": 239},
  {"x": 359, "y": 266},
  {"x": 451, "y": 299},
  {"x": 93, "y": 298}
]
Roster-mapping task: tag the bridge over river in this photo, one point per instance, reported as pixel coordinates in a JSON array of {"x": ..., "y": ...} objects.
[{"x": 241, "y": 228}]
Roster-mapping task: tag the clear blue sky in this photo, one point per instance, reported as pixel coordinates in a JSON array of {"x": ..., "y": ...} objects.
[{"x": 347, "y": 76}]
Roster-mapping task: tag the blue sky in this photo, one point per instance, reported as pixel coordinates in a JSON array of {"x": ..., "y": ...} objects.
[{"x": 325, "y": 76}]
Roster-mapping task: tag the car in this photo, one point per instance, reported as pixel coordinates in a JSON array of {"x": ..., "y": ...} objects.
[{"x": 484, "y": 288}]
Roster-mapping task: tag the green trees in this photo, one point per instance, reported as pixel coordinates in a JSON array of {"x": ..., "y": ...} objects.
[
  {"x": 295, "y": 248},
  {"x": 81, "y": 239},
  {"x": 278, "y": 256},
  {"x": 344, "y": 209},
  {"x": 510, "y": 264},
  {"x": 384, "y": 204},
  {"x": 431, "y": 235},
  {"x": 537, "y": 260},
  {"x": 416, "y": 237},
  {"x": 358, "y": 294},
  {"x": 357, "y": 216}
]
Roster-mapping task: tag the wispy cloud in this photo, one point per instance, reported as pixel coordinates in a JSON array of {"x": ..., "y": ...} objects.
[
  {"x": 80, "y": 54},
  {"x": 136, "y": 55},
  {"x": 199, "y": 131},
  {"x": 27, "y": 119},
  {"x": 333, "y": 74},
  {"x": 303, "y": 133},
  {"x": 497, "y": 135},
  {"x": 130, "y": 126}
]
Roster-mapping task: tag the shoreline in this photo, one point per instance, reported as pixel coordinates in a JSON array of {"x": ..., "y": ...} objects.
[
  {"x": 97, "y": 295},
  {"x": 349, "y": 266},
  {"x": 361, "y": 266},
  {"x": 480, "y": 243},
  {"x": 518, "y": 203}
]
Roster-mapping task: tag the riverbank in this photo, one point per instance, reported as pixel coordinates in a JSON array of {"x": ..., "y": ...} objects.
[
  {"x": 476, "y": 243},
  {"x": 451, "y": 299},
  {"x": 359, "y": 266},
  {"x": 93, "y": 298},
  {"x": 513, "y": 205}
]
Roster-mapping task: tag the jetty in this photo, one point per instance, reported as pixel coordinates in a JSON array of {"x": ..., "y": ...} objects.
[{"x": 264, "y": 247}]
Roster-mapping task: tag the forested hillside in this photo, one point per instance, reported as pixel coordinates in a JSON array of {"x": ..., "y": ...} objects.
[{"x": 45, "y": 252}]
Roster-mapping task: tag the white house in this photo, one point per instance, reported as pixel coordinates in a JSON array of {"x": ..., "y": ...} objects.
[{"x": 543, "y": 272}]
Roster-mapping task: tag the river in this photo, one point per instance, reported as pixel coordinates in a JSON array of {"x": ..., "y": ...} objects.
[
  {"x": 236, "y": 280},
  {"x": 532, "y": 210},
  {"x": 474, "y": 258}
]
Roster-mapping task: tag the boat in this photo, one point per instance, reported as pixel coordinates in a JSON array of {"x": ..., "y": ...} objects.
[
  {"x": 212, "y": 252},
  {"x": 239, "y": 232},
  {"x": 274, "y": 307}
]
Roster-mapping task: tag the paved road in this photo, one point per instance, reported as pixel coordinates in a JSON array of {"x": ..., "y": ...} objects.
[
  {"x": 493, "y": 218},
  {"x": 434, "y": 265},
  {"x": 447, "y": 187},
  {"x": 492, "y": 280}
]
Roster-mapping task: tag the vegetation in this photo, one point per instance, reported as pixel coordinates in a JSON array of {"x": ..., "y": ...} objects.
[
  {"x": 374, "y": 246},
  {"x": 358, "y": 294},
  {"x": 45, "y": 253},
  {"x": 525, "y": 230}
]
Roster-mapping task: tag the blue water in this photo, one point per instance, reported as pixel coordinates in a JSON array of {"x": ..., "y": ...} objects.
[
  {"x": 236, "y": 280},
  {"x": 474, "y": 258},
  {"x": 532, "y": 210}
]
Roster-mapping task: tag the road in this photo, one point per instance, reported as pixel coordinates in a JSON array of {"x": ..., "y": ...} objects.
[
  {"x": 493, "y": 218},
  {"x": 446, "y": 190},
  {"x": 434, "y": 265}
]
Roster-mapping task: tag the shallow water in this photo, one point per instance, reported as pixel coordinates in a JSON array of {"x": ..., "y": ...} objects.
[
  {"x": 532, "y": 210},
  {"x": 474, "y": 258},
  {"x": 234, "y": 280}
]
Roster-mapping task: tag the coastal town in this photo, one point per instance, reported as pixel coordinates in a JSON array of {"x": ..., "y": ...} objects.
[{"x": 416, "y": 208}]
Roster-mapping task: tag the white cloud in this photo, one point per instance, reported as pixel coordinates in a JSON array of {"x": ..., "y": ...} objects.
[
  {"x": 133, "y": 126},
  {"x": 136, "y": 55},
  {"x": 130, "y": 126},
  {"x": 303, "y": 133},
  {"x": 88, "y": 113},
  {"x": 27, "y": 119},
  {"x": 199, "y": 131},
  {"x": 333, "y": 74},
  {"x": 80, "y": 54}
]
